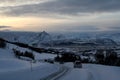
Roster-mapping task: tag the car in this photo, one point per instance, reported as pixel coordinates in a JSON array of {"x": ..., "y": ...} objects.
[
  {"x": 61, "y": 62},
  {"x": 49, "y": 61},
  {"x": 77, "y": 64}
]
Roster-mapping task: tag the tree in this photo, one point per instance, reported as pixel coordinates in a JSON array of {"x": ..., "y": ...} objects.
[
  {"x": 99, "y": 57},
  {"x": 2, "y": 43},
  {"x": 111, "y": 57}
]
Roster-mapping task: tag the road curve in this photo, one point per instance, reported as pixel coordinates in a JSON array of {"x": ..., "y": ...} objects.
[{"x": 58, "y": 74}]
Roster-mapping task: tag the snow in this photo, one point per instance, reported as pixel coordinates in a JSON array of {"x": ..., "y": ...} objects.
[
  {"x": 38, "y": 56},
  {"x": 13, "y": 64},
  {"x": 41, "y": 56},
  {"x": 37, "y": 73},
  {"x": 101, "y": 72},
  {"x": 16, "y": 69},
  {"x": 77, "y": 74},
  {"x": 92, "y": 72},
  {"x": 12, "y": 68},
  {"x": 36, "y": 38}
]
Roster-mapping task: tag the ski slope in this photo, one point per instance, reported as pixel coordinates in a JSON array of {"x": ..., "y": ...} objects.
[{"x": 92, "y": 72}]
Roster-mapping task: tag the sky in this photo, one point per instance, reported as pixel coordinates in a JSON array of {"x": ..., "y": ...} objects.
[{"x": 60, "y": 15}]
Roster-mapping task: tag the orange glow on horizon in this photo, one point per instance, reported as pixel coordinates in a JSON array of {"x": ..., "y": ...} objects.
[{"x": 27, "y": 23}]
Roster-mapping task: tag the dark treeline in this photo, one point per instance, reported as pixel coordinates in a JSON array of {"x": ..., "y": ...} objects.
[
  {"x": 109, "y": 58},
  {"x": 105, "y": 57},
  {"x": 67, "y": 57},
  {"x": 18, "y": 54},
  {"x": 2, "y": 43}
]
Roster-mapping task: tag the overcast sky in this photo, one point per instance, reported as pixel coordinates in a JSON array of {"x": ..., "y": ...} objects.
[{"x": 60, "y": 15}]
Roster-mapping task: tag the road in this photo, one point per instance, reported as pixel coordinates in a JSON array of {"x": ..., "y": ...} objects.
[
  {"x": 55, "y": 76},
  {"x": 87, "y": 72},
  {"x": 91, "y": 72}
]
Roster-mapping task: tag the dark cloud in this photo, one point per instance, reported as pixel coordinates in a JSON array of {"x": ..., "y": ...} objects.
[
  {"x": 73, "y": 27},
  {"x": 115, "y": 28},
  {"x": 64, "y": 7},
  {"x": 87, "y": 28},
  {"x": 2, "y": 27}
]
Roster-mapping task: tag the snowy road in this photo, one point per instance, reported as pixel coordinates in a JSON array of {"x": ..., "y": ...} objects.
[
  {"x": 57, "y": 74},
  {"x": 92, "y": 72}
]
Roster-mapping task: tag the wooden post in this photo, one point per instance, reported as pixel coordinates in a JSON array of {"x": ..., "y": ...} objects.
[{"x": 31, "y": 66}]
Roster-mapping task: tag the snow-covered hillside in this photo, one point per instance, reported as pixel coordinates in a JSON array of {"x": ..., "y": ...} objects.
[{"x": 12, "y": 68}]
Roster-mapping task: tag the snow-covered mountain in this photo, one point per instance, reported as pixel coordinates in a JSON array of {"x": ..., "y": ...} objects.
[{"x": 44, "y": 38}]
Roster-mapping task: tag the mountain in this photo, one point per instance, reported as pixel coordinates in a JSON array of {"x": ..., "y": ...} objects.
[
  {"x": 41, "y": 38},
  {"x": 48, "y": 39},
  {"x": 105, "y": 41}
]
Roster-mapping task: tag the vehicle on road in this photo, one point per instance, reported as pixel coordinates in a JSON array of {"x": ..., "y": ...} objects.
[{"x": 77, "y": 64}]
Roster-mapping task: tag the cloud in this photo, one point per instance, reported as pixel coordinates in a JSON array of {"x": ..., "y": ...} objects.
[
  {"x": 115, "y": 28},
  {"x": 2, "y": 27},
  {"x": 87, "y": 28},
  {"x": 74, "y": 27},
  {"x": 10, "y": 3},
  {"x": 63, "y": 7},
  {"x": 75, "y": 14}
]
